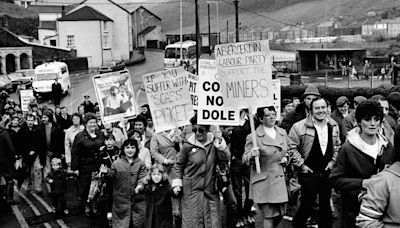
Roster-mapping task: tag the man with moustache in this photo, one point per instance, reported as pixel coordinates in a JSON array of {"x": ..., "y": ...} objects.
[{"x": 313, "y": 146}]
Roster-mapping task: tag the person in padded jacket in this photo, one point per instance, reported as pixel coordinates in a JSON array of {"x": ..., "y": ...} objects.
[
  {"x": 365, "y": 153},
  {"x": 194, "y": 174}
]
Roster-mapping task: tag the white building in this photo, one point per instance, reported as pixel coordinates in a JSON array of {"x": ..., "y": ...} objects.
[
  {"x": 100, "y": 30},
  {"x": 48, "y": 15}
]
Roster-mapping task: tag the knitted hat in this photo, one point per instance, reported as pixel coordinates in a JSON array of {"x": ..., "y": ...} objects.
[
  {"x": 394, "y": 99},
  {"x": 341, "y": 101},
  {"x": 311, "y": 90}
]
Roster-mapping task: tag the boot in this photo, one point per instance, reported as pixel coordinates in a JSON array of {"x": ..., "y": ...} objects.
[{"x": 9, "y": 192}]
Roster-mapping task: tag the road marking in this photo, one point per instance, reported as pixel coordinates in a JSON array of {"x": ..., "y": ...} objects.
[
  {"x": 48, "y": 208},
  {"x": 34, "y": 208},
  {"x": 21, "y": 219}
]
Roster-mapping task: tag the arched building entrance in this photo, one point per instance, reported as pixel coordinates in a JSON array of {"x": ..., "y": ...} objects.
[
  {"x": 10, "y": 63},
  {"x": 24, "y": 61},
  {"x": 15, "y": 58}
]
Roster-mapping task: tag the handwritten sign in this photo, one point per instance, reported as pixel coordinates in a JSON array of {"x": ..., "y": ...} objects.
[
  {"x": 276, "y": 88},
  {"x": 212, "y": 110},
  {"x": 193, "y": 81},
  {"x": 114, "y": 92},
  {"x": 26, "y": 96},
  {"x": 244, "y": 70},
  {"x": 169, "y": 98}
]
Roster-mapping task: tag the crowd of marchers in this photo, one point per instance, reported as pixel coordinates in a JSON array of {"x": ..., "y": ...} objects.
[{"x": 345, "y": 162}]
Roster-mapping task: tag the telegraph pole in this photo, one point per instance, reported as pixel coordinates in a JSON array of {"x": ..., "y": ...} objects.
[
  {"x": 209, "y": 30},
  {"x": 197, "y": 35},
  {"x": 237, "y": 19},
  {"x": 180, "y": 34}
]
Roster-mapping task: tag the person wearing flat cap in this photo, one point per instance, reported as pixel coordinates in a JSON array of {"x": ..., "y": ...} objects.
[
  {"x": 88, "y": 106},
  {"x": 341, "y": 111},
  {"x": 302, "y": 109},
  {"x": 349, "y": 122}
]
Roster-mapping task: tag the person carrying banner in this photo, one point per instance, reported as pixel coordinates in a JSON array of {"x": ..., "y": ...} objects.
[{"x": 272, "y": 149}]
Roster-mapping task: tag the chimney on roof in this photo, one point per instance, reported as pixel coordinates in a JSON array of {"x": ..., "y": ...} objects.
[{"x": 63, "y": 11}]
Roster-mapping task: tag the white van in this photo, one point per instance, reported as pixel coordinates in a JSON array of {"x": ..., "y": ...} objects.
[{"x": 45, "y": 75}]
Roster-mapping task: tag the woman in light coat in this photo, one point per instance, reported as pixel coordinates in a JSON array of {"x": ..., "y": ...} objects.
[{"x": 268, "y": 188}]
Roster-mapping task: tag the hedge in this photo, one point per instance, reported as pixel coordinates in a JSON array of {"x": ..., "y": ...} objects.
[{"x": 331, "y": 94}]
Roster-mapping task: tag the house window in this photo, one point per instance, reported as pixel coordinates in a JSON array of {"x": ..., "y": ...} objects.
[
  {"x": 70, "y": 40},
  {"x": 106, "y": 40}
]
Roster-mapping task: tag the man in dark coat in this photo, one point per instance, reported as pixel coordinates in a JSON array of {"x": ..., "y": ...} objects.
[
  {"x": 302, "y": 109},
  {"x": 7, "y": 160},
  {"x": 32, "y": 148},
  {"x": 56, "y": 92},
  {"x": 341, "y": 111}
]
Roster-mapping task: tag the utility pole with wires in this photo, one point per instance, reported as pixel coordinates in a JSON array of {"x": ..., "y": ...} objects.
[
  {"x": 237, "y": 19},
  {"x": 197, "y": 35}
]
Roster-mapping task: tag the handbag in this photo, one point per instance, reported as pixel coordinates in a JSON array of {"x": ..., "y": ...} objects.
[{"x": 292, "y": 185}]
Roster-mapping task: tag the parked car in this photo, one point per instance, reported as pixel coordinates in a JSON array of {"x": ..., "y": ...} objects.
[
  {"x": 20, "y": 78},
  {"x": 5, "y": 83},
  {"x": 112, "y": 67}
]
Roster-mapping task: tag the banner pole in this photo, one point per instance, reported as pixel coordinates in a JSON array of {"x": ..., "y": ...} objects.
[{"x": 253, "y": 137}]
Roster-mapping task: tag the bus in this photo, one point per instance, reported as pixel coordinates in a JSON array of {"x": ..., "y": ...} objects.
[
  {"x": 45, "y": 75},
  {"x": 172, "y": 55}
]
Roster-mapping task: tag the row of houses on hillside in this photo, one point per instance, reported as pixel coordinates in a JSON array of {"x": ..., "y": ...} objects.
[{"x": 101, "y": 30}]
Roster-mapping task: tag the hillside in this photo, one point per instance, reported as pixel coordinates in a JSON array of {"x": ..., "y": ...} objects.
[
  {"x": 14, "y": 11},
  {"x": 287, "y": 11}
]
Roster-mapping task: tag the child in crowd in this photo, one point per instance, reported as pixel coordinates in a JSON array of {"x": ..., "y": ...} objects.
[
  {"x": 158, "y": 198},
  {"x": 57, "y": 179},
  {"x": 108, "y": 154},
  {"x": 127, "y": 175}
]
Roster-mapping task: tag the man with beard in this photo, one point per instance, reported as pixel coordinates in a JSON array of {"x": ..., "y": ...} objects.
[{"x": 313, "y": 146}]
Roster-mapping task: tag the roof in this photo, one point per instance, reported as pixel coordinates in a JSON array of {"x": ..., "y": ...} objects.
[
  {"x": 48, "y": 8},
  {"x": 331, "y": 49},
  {"x": 147, "y": 30},
  {"x": 119, "y": 6},
  {"x": 85, "y": 13},
  {"x": 327, "y": 24},
  {"x": 51, "y": 25},
  {"x": 142, "y": 7}
]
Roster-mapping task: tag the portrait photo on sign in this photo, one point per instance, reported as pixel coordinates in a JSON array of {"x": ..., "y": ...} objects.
[{"x": 115, "y": 94}]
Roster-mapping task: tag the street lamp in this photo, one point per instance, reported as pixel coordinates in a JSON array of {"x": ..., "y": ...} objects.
[{"x": 215, "y": 2}]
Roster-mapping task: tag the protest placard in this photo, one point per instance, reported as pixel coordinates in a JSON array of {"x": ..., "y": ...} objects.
[
  {"x": 169, "y": 98},
  {"x": 114, "y": 92},
  {"x": 276, "y": 88},
  {"x": 26, "y": 96},
  {"x": 211, "y": 109},
  {"x": 193, "y": 81},
  {"x": 244, "y": 70}
]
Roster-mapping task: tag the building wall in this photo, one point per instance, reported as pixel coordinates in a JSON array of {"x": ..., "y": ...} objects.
[
  {"x": 49, "y": 16},
  {"x": 122, "y": 44},
  {"x": 393, "y": 29},
  {"x": 141, "y": 19},
  {"x": 87, "y": 39},
  {"x": 43, "y": 33}
]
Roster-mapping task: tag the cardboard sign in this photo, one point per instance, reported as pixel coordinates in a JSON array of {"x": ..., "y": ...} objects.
[
  {"x": 244, "y": 70},
  {"x": 26, "y": 96},
  {"x": 211, "y": 110},
  {"x": 169, "y": 98},
  {"x": 114, "y": 92},
  {"x": 276, "y": 85},
  {"x": 193, "y": 81}
]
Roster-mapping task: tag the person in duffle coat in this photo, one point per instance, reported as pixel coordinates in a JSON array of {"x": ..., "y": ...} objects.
[{"x": 268, "y": 188}]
